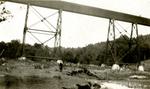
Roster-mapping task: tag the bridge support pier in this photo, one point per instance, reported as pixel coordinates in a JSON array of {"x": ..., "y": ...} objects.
[
  {"x": 111, "y": 45},
  {"x": 111, "y": 37},
  {"x": 25, "y": 30},
  {"x": 56, "y": 35},
  {"x": 134, "y": 28},
  {"x": 57, "y": 43}
]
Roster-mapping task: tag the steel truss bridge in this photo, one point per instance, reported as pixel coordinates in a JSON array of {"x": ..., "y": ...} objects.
[{"x": 86, "y": 10}]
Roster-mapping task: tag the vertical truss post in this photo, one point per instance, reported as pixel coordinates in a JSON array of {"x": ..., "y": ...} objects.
[
  {"x": 134, "y": 27},
  {"x": 57, "y": 43},
  {"x": 25, "y": 30},
  {"x": 110, "y": 45},
  {"x": 114, "y": 42},
  {"x": 137, "y": 42},
  {"x": 106, "y": 51}
]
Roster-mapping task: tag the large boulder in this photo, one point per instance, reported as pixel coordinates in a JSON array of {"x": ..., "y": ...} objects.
[
  {"x": 115, "y": 67},
  {"x": 141, "y": 68}
]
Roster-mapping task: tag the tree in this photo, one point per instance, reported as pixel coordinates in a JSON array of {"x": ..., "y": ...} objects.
[
  {"x": 12, "y": 49},
  {"x": 2, "y": 48},
  {"x": 4, "y": 13},
  {"x": 68, "y": 56}
]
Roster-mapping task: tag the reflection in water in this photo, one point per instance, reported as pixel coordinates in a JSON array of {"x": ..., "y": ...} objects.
[
  {"x": 35, "y": 82},
  {"x": 29, "y": 82},
  {"x": 11, "y": 81}
]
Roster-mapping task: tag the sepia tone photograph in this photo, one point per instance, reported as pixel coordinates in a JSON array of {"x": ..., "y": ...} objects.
[{"x": 74, "y": 44}]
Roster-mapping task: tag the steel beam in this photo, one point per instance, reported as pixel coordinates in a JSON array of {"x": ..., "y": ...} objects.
[
  {"x": 25, "y": 30},
  {"x": 87, "y": 10}
]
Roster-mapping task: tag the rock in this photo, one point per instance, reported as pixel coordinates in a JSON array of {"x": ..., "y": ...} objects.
[
  {"x": 115, "y": 67},
  {"x": 38, "y": 66},
  {"x": 22, "y": 58},
  {"x": 103, "y": 65},
  {"x": 86, "y": 86},
  {"x": 96, "y": 86},
  {"x": 57, "y": 77},
  {"x": 3, "y": 59},
  {"x": 141, "y": 68},
  {"x": 137, "y": 77}
]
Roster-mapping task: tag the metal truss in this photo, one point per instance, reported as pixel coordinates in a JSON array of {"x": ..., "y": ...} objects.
[
  {"x": 92, "y": 11},
  {"x": 111, "y": 41},
  {"x": 54, "y": 34},
  {"x": 134, "y": 28},
  {"x": 57, "y": 43}
]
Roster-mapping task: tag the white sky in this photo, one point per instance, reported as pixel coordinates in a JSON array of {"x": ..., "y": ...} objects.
[{"x": 77, "y": 30}]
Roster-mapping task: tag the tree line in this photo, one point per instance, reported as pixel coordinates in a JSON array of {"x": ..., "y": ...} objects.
[{"x": 127, "y": 51}]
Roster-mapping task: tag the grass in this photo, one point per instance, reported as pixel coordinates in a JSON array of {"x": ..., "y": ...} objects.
[{"x": 50, "y": 77}]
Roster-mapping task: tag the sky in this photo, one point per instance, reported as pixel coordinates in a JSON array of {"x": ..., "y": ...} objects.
[{"x": 77, "y": 30}]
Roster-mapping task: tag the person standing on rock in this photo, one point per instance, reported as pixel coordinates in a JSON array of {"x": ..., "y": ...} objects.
[{"x": 60, "y": 63}]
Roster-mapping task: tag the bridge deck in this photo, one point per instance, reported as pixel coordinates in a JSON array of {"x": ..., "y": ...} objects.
[{"x": 87, "y": 10}]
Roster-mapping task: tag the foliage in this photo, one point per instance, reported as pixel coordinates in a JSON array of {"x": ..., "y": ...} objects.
[
  {"x": 4, "y": 13},
  {"x": 91, "y": 54}
]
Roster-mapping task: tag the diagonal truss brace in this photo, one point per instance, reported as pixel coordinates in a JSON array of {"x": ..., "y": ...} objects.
[
  {"x": 111, "y": 47},
  {"x": 56, "y": 34}
]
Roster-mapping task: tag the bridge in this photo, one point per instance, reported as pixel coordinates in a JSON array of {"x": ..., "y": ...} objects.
[{"x": 86, "y": 10}]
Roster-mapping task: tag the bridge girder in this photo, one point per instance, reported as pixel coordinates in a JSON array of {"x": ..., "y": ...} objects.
[{"x": 86, "y": 10}]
